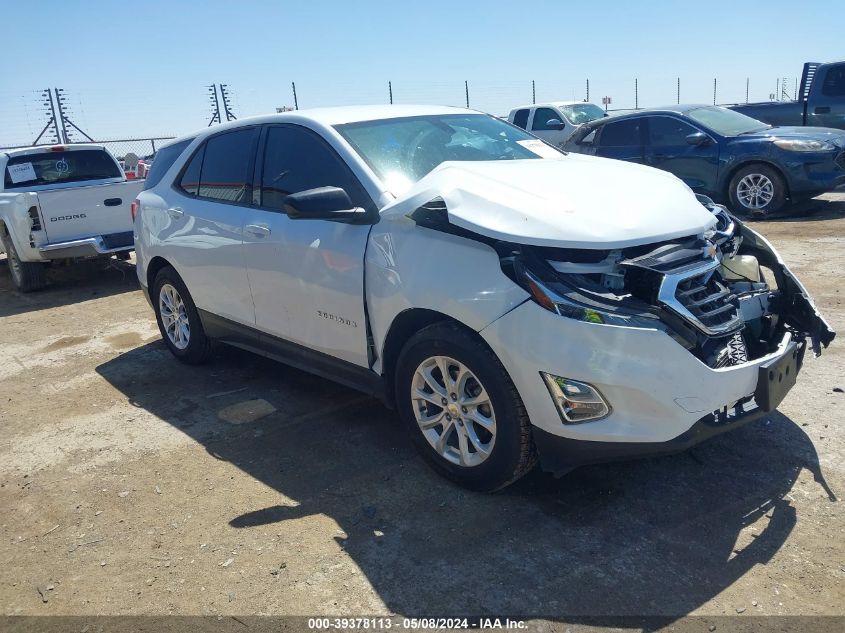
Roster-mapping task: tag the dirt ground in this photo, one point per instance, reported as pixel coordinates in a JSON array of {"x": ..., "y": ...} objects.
[{"x": 124, "y": 491}]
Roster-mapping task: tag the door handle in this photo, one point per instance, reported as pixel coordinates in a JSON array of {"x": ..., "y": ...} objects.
[
  {"x": 113, "y": 202},
  {"x": 822, "y": 110},
  {"x": 257, "y": 230},
  {"x": 175, "y": 212}
]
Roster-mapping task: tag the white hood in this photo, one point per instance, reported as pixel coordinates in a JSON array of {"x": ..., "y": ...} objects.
[{"x": 574, "y": 201}]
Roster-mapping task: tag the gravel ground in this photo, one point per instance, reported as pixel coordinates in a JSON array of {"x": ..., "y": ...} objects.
[{"x": 132, "y": 484}]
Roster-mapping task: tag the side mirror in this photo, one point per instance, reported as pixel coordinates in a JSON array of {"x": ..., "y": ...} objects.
[
  {"x": 554, "y": 124},
  {"x": 698, "y": 138},
  {"x": 322, "y": 203}
]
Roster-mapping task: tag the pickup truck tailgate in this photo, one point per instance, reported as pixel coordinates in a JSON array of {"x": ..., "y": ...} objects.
[{"x": 81, "y": 212}]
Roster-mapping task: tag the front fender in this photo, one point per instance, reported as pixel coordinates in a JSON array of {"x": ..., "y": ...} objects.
[{"x": 409, "y": 266}]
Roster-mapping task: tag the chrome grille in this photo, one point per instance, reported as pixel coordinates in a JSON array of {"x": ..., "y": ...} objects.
[{"x": 700, "y": 297}]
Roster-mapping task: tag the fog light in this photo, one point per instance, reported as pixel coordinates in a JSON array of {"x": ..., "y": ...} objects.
[{"x": 576, "y": 401}]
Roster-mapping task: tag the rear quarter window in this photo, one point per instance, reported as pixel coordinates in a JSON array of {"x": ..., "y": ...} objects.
[
  {"x": 163, "y": 160},
  {"x": 49, "y": 168},
  {"x": 520, "y": 118}
]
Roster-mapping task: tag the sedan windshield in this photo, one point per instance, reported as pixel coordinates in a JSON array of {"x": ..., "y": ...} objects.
[
  {"x": 726, "y": 122},
  {"x": 581, "y": 113},
  {"x": 403, "y": 150}
]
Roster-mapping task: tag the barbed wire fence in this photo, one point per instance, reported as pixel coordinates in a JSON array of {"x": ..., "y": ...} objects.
[{"x": 127, "y": 125}]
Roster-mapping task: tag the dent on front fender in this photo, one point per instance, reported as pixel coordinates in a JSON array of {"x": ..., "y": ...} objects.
[{"x": 798, "y": 310}]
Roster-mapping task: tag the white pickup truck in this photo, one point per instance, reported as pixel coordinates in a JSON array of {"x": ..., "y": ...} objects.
[{"x": 62, "y": 202}]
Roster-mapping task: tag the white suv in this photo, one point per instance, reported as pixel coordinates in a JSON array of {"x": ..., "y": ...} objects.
[{"x": 511, "y": 301}]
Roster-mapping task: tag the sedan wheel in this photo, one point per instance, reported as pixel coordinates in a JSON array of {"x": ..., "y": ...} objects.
[{"x": 453, "y": 411}]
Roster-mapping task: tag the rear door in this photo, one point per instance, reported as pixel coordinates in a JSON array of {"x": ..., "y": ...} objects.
[
  {"x": 203, "y": 231},
  {"x": 622, "y": 140},
  {"x": 667, "y": 148},
  {"x": 827, "y": 102},
  {"x": 307, "y": 276}
]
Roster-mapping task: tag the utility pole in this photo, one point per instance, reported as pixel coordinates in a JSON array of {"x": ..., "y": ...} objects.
[
  {"x": 227, "y": 106},
  {"x": 61, "y": 106},
  {"x": 50, "y": 110},
  {"x": 215, "y": 105}
]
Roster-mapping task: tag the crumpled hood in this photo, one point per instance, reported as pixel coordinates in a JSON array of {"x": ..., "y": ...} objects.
[{"x": 574, "y": 201}]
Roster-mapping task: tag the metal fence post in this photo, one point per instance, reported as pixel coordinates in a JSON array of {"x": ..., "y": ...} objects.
[
  {"x": 588, "y": 91},
  {"x": 466, "y": 90},
  {"x": 533, "y": 92},
  {"x": 295, "y": 102},
  {"x": 636, "y": 95},
  {"x": 679, "y": 89},
  {"x": 747, "y": 85},
  {"x": 714, "y": 91},
  {"x": 390, "y": 91}
]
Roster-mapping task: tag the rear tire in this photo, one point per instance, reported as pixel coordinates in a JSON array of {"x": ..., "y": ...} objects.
[
  {"x": 27, "y": 276},
  {"x": 757, "y": 190},
  {"x": 482, "y": 440},
  {"x": 178, "y": 319}
]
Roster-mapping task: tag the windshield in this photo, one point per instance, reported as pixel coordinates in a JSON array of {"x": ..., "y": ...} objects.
[
  {"x": 55, "y": 167},
  {"x": 581, "y": 113},
  {"x": 403, "y": 150},
  {"x": 726, "y": 122}
]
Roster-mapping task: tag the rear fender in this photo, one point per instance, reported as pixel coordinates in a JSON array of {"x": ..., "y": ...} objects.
[{"x": 17, "y": 225}]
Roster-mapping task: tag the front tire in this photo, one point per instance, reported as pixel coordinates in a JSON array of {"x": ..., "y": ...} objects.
[
  {"x": 757, "y": 190},
  {"x": 461, "y": 409},
  {"x": 178, "y": 319},
  {"x": 27, "y": 276}
]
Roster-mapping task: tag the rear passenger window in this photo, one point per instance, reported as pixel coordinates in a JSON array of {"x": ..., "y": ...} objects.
[
  {"x": 225, "y": 167},
  {"x": 834, "y": 82},
  {"x": 297, "y": 160},
  {"x": 520, "y": 118},
  {"x": 621, "y": 134},
  {"x": 190, "y": 181}
]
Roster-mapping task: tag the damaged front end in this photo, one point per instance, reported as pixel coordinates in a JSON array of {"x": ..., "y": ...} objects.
[{"x": 725, "y": 295}]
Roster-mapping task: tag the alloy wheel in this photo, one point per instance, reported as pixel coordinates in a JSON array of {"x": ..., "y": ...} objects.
[
  {"x": 755, "y": 191},
  {"x": 174, "y": 316},
  {"x": 454, "y": 411}
]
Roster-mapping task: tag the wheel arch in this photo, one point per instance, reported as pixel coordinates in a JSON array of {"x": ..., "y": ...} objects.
[
  {"x": 403, "y": 327},
  {"x": 153, "y": 268},
  {"x": 730, "y": 173}
]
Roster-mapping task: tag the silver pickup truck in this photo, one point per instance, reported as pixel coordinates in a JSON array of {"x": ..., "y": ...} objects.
[{"x": 62, "y": 202}]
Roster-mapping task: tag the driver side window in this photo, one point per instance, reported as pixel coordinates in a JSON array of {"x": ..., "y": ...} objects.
[
  {"x": 542, "y": 116},
  {"x": 296, "y": 160}
]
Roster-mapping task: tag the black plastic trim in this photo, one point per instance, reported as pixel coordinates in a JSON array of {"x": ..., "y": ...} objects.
[
  {"x": 293, "y": 354},
  {"x": 559, "y": 455}
]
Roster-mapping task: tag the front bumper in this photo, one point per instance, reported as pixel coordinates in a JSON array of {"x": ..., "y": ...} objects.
[
  {"x": 663, "y": 398},
  {"x": 88, "y": 247},
  {"x": 815, "y": 174}
]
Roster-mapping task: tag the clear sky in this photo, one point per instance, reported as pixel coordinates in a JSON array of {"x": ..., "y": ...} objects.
[{"x": 138, "y": 68}]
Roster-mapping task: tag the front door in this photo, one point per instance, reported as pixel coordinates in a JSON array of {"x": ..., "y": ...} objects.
[
  {"x": 667, "y": 148},
  {"x": 306, "y": 276},
  {"x": 550, "y": 125}
]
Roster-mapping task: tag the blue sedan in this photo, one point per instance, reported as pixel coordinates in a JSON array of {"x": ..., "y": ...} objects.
[{"x": 749, "y": 165}]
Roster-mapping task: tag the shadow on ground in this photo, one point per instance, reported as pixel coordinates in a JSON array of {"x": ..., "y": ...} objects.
[
  {"x": 73, "y": 283},
  {"x": 660, "y": 536},
  {"x": 826, "y": 207}
]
